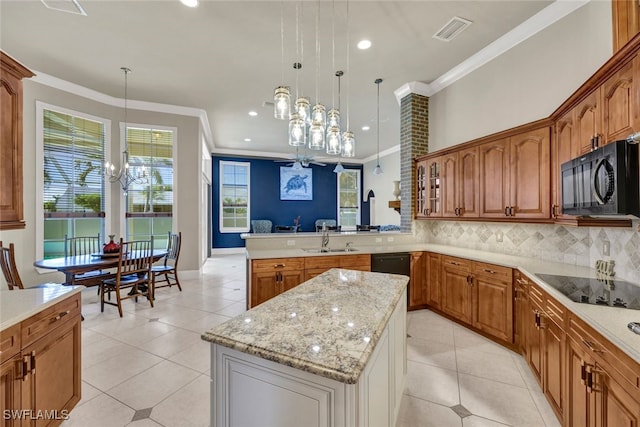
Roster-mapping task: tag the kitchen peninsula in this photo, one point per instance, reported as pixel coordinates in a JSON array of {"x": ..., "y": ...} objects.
[{"x": 330, "y": 352}]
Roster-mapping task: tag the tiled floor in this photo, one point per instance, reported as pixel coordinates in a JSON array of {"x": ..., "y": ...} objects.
[{"x": 151, "y": 368}]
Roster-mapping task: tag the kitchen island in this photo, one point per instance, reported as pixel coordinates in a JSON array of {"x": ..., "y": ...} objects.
[{"x": 330, "y": 352}]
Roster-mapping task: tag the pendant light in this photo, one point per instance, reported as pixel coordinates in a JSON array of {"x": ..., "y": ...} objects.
[
  {"x": 334, "y": 135},
  {"x": 318, "y": 116},
  {"x": 297, "y": 124},
  {"x": 348, "y": 148},
  {"x": 378, "y": 168},
  {"x": 282, "y": 94}
]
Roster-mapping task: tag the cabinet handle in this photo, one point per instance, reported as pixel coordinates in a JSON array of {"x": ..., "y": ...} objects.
[
  {"x": 453, "y": 263},
  {"x": 59, "y": 316},
  {"x": 591, "y": 346},
  {"x": 487, "y": 270},
  {"x": 506, "y": 211},
  {"x": 279, "y": 265},
  {"x": 591, "y": 373},
  {"x": 596, "y": 138},
  {"x": 554, "y": 212},
  {"x": 521, "y": 281},
  {"x": 511, "y": 211},
  {"x": 23, "y": 367},
  {"x": 592, "y": 143},
  {"x": 33, "y": 362}
]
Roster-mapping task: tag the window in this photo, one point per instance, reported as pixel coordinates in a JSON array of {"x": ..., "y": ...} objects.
[
  {"x": 149, "y": 202},
  {"x": 349, "y": 199},
  {"x": 73, "y": 197},
  {"x": 234, "y": 197}
]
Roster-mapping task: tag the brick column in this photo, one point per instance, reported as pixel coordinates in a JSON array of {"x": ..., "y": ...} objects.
[{"x": 414, "y": 142}]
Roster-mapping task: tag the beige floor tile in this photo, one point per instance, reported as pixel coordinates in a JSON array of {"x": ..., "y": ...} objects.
[
  {"x": 498, "y": 401},
  {"x": 152, "y": 386},
  {"x": 88, "y": 392},
  {"x": 233, "y": 310},
  {"x": 431, "y": 352},
  {"x": 431, "y": 383},
  {"x": 119, "y": 368},
  {"x": 548, "y": 416},
  {"x": 525, "y": 372},
  {"x": 143, "y": 333},
  {"x": 188, "y": 407},
  {"x": 427, "y": 328},
  {"x": 417, "y": 412},
  {"x": 491, "y": 366},
  {"x": 467, "y": 339},
  {"x": 146, "y": 422},
  {"x": 206, "y": 323},
  {"x": 100, "y": 349},
  {"x": 171, "y": 343},
  {"x": 203, "y": 302},
  {"x": 474, "y": 421},
  {"x": 196, "y": 357},
  {"x": 101, "y": 411}
]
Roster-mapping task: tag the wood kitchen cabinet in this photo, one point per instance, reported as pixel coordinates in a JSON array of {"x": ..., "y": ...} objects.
[
  {"x": 620, "y": 103},
  {"x": 492, "y": 294},
  {"x": 521, "y": 310},
  {"x": 418, "y": 285},
  {"x": 515, "y": 176},
  {"x": 456, "y": 288},
  {"x": 50, "y": 341},
  {"x": 271, "y": 277},
  {"x": 460, "y": 184},
  {"x": 11, "y": 188},
  {"x": 434, "y": 272},
  {"x": 626, "y": 21},
  {"x": 421, "y": 189},
  {"x": 317, "y": 265}
]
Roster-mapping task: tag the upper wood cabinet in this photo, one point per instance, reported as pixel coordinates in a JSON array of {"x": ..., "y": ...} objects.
[
  {"x": 11, "y": 205},
  {"x": 460, "y": 184},
  {"x": 626, "y": 21},
  {"x": 421, "y": 189},
  {"x": 514, "y": 176},
  {"x": 620, "y": 102}
]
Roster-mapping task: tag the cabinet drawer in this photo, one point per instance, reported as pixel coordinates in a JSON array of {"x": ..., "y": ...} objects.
[
  {"x": 556, "y": 312},
  {"x": 503, "y": 274},
  {"x": 357, "y": 262},
  {"x": 279, "y": 264},
  {"x": 48, "y": 319},
  {"x": 325, "y": 262},
  {"x": 536, "y": 295},
  {"x": 456, "y": 262},
  {"x": 623, "y": 368},
  {"x": 9, "y": 342}
]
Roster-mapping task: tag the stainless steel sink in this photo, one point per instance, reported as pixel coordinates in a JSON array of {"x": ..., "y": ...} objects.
[{"x": 328, "y": 250}]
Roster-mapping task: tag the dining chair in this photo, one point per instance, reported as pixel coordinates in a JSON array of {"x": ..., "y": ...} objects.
[
  {"x": 10, "y": 270},
  {"x": 261, "y": 225},
  {"x": 85, "y": 245},
  {"x": 133, "y": 273},
  {"x": 168, "y": 270},
  {"x": 332, "y": 224}
]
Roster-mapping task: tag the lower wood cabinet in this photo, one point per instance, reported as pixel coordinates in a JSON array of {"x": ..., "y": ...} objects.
[
  {"x": 314, "y": 266},
  {"x": 521, "y": 308},
  {"x": 434, "y": 268},
  {"x": 418, "y": 286},
  {"x": 50, "y": 341},
  {"x": 456, "y": 288}
]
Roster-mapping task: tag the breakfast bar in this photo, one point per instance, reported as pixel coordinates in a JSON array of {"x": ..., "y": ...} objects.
[{"x": 331, "y": 351}]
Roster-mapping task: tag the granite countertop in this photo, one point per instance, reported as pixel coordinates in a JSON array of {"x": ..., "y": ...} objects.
[
  {"x": 327, "y": 326},
  {"x": 19, "y": 305}
]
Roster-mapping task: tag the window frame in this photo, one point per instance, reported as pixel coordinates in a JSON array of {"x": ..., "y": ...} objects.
[
  {"x": 39, "y": 171},
  {"x": 358, "y": 174},
  {"x": 222, "y": 228}
]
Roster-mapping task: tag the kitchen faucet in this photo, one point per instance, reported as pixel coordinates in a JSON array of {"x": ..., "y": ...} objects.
[{"x": 325, "y": 238}]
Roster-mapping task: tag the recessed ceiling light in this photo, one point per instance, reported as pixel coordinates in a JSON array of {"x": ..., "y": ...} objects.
[
  {"x": 190, "y": 3},
  {"x": 365, "y": 127},
  {"x": 364, "y": 44},
  {"x": 253, "y": 113},
  {"x": 247, "y": 140}
]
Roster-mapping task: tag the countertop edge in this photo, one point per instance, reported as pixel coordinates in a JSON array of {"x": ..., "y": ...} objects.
[{"x": 35, "y": 307}]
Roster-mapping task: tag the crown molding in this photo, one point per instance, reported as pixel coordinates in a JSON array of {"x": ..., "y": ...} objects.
[
  {"x": 283, "y": 156},
  {"x": 538, "y": 22},
  {"x": 383, "y": 153},
  {"x": 75, "y": 89}
]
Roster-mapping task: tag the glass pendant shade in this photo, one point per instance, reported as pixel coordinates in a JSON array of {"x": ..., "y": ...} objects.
[
  {"x": 303, "y": 109},
  {"x": 296, "y": 131},
  {"x": 334, "y": 140},
  {"x": 378, "y": 170},
  {"x": 319, "y": 114},
  {"x": 339, "y": 168},
  {"x": 316, "y": 136},
  {"x": 282, "y": 103},
  {"x": 333, "y": 118},
  {"x": 348, "y": 144}
]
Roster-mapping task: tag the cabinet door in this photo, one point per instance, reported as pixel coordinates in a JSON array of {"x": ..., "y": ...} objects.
[
  {"x": 434, "y": 188},
  {"x": 534, "y": 340},
  {"x": 553, "y": 381},
  {"x": 529, "y": 175},
  {"x": 10, "y": 386},
  {"x": 494, "y": 178},
  {"x": 290, "y": 279},
  {"x": 618, "y": 101},
  {"x": 618, "y": 408},
  {"x": 54, "y": 379},
  {"x": 417, "y": 286},
  {"x": 264, "y": 286},
  {"x": 468, "y": 183},
  {"x": 626, "y": 22},
  {"x": 564, "y": 148},
  {"x": 421, "y": 189},
  {"x": 580, "y": 407},
  {"x": 448, "y": 183},
  {"x": 587, "y": 121},
  {"x": 521, "y": 298},
  {"x": 456, "y": 290},
  {"x": 434, "y": 294},
  {"x": 493, "y": 307}
]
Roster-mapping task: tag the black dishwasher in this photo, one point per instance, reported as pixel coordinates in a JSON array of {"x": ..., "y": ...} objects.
[{"x": 395, "y": 263}]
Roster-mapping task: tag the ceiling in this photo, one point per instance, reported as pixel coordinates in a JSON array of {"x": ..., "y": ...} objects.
[{"x": 224, "y": 57}]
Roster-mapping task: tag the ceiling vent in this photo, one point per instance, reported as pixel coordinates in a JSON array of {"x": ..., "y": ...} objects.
[
  {"x": 69, "y": 6},
  {"x": 451, "y": 29}
]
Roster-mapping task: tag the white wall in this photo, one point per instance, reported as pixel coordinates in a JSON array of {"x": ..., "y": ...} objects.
[
  {"x": 187, "y": 192},
  {"x": 526, "y": 83},
  {"x": 382, "y": 186}
]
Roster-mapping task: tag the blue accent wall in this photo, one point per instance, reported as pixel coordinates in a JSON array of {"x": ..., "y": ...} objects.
[{"x": 265, "y": 200}]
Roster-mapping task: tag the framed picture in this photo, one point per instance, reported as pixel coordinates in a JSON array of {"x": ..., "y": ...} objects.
[{"x": 296, "y": 184}]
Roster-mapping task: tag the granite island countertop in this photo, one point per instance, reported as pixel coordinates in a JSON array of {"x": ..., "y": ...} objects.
[
  {"x": 327, "y": 326},
  {"x": 19, "y": 305}
]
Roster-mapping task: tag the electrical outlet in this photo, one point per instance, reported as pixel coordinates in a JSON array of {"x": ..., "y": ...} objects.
[
  {"x": 291, "y": 242},
  {"x": 390, "y": 239},
  {"x": 378, "y": 239},
  {"x": 606, "y": 248},
  {"x": 499, "y": 236}
]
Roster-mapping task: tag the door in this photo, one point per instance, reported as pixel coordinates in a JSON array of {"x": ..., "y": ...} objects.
[
  {"x": 417, "y": 286},
  {"x": 493, "y": 307},
  {"x": 290, "y": 279},
  {"x": 521, "y": 298},
  {"x": 529, "y": 175},
  {"x": 421, "y": 189},
  {"x": 564, "y": 148},
  {"x": 580, "y": 402},
  {"x": 587, "y": 122},
  {"x": 264, "y": 286},
  {"x": 534, "y": 339},
  {"x": 434, "y": 189},
  {"x": 618, "y": 101},
  {"x": 448, "y": 184},
  {"x": 618, "y": 407},
  {"x": 456, "y": 289},
  {"x": 10, "y": 387},
  {"x": 468, "y": 185},
  {"x": 553, "y": 365},
  {"x": 434, "y": 272},
  {"x": 494, "y": 178}
]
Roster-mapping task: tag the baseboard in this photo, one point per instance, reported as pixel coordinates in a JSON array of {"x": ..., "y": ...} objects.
[{"x": 226, "y": 251}]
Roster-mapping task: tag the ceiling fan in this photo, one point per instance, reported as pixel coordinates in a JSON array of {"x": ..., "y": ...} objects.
[{"x": 299, "y": 161}]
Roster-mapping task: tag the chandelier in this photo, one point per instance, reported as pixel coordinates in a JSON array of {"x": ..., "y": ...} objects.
[
  {"x": 313, "y": 126},
  {"x": 127, "y": 174}
]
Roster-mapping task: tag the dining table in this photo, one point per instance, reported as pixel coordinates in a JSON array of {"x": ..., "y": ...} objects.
[{"x": 79, "y": 264}]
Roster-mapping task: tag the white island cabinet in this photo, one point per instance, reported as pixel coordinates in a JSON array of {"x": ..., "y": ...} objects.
[{"x": 330, "y": 352}]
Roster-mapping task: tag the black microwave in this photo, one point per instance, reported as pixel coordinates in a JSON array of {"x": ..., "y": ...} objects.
[{"x": 602, "y": 182}]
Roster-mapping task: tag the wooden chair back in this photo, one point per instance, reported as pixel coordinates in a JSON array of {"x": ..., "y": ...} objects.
[
  {"x": 173, "y": 249},
  {"x": 135, "y": 257},
  {"x": 84, "y": 245},
  {"x": 9, "y": 269}
]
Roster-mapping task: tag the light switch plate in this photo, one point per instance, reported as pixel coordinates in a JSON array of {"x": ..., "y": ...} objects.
[
  {"x": 390, "y": 239},
  {"x": 378, "y": 239},
  {"x": 291, "y": 242}
]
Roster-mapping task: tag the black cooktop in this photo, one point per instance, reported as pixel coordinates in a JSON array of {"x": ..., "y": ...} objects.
[{"x": 609, "y": 292}]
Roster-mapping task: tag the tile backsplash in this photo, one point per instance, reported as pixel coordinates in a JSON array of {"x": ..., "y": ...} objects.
[{"x": 552, "y": 242}]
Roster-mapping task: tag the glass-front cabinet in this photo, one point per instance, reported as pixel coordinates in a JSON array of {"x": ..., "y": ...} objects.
[
  {"x": 434, "y": 207},
  {"x": 421, "y": 189}
]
